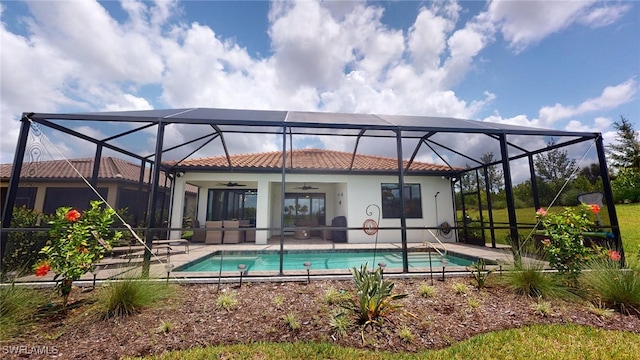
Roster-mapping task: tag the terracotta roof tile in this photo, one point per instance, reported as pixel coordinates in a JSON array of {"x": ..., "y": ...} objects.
[
  {"x": 110, "y": 168},
  {"x": 309, "y": 159}
]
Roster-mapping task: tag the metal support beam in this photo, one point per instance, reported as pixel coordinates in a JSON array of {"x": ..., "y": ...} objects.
[
  {"x": 608, "y": 197},
  {"x": 403, "y": 215},
  {"x": 487, "y": 189},
  {"x": 96, "y": 166},
  {"x": 534, "y": 184},
  {"x": 14, "y": 180},
  {"x": 282, "y": 187},
  {"x": 508, "y": 188},
  {"x": 151, "y": 218}
]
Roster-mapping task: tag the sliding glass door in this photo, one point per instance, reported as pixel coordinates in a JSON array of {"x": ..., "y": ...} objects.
[{"x": 224, "y": 204}]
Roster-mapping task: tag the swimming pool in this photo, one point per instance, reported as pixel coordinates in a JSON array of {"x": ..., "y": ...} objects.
[{"x": 320, "y": 260}]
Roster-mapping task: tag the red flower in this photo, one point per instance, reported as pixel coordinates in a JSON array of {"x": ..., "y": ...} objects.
[
  {"x": 541, "y": 212},
  {"x": 43, "y": 268},
  {"x": 595, "y": 208},
  {"x": 614, "y": 255},
  {"x": 72, "y": 215}
]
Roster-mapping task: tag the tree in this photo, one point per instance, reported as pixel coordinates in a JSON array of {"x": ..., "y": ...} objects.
[
  {"x": 494, "y": 173},
  {"x": 553, "y": 169},
  {"x": 554, "y": 165},
  {"x": 625, "y": 152},
  {"x": 591, "y": 173}
]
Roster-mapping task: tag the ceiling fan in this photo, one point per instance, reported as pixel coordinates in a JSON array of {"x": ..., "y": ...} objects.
[
  {"x": 231, "y": 184},
  {"x": 306, "y": 187}
]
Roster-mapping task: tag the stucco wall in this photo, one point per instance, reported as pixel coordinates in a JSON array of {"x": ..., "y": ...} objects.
[{"x": 346, "y": 195}]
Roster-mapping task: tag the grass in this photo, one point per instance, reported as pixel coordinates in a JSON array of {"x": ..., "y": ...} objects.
[{"x": 564, "y": 342}]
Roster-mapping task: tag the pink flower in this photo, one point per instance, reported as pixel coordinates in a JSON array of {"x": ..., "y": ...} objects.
[
  {"x": 72, "y": 215},
  {"x": 541, "y": 212},
  {"x": 546, "y": 242},
  {"x": 614, "y": 255},
  {"x": 595, "y": 208}
]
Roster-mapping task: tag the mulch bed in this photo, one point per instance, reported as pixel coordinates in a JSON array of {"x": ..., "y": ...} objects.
[{"x": 192, "y": 319}]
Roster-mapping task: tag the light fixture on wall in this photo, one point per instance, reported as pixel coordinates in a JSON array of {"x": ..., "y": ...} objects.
[{"x": 180, "y": 174}]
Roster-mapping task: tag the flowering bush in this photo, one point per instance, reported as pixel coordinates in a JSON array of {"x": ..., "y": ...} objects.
[
  {"x": 77, "y": 241},
  {"x": 564, "y": 239}
]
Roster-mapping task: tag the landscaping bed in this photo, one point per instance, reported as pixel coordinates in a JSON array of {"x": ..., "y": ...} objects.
[{"x": 296, "y": 311}]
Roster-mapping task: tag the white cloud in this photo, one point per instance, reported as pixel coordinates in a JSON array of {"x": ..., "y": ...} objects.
[
  {"x": 341, "y": 56},
  {"x": 524, "y": 23},
  {"x": 611, "y": 97},
  {"x": 606, "y": 15}
]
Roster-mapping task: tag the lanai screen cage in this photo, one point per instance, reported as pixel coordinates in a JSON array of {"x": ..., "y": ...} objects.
[{"x": 476, "y": 160}]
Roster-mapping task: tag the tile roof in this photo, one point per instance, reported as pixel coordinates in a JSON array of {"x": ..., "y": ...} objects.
[
  {"x": 110, "y": 168},
  {"x": 310, "y": 159}
]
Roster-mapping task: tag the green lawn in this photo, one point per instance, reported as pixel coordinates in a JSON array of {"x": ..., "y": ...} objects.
[
  {"x": 628, "y": 217},
  {"x": 557, "y": 342}
]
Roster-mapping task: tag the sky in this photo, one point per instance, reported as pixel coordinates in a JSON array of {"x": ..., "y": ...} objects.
[{"x": 566, "y": 65}]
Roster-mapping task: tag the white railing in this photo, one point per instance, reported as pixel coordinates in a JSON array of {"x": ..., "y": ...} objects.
[{"x": 428, "y": 244}]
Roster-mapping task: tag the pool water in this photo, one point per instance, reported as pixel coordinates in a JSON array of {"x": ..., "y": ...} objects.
[{"x": 270, "y": 261}]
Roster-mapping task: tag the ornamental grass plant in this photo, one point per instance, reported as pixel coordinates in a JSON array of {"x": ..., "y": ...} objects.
[
  {"x": 18, "y": 307},
  {"x": 129, "y": 296},
  {"x": 607, "y": 283},
  {"x": 529, "y": 279}
]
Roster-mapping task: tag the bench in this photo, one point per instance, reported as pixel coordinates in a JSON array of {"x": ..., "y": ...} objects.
[{"x": 184, "y": 242}]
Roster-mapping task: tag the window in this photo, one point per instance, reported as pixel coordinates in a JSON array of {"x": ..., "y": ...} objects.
[
  {"x": 391, "y": 201},
  {"x": 77, "y": 198},
  {"x": 225, "y": 204},
  {"x": 307, "y": 206}
]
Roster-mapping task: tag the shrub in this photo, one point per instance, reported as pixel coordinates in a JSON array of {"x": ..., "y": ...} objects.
[
  {"x": 23, "y": 247},
  {"x": 406, "y": 335},
  {"x": 292, "y": 321},
  {"x": 616, "y": 288},
  {"x": 426, "y": 290},
  {"x": 564, "y": 242},
  {"x": 333, "y": 296},
  {"x": 459, "y": 288},
  {"x": 542, "y": 308},
  {"x": 374, "y": 296},
  {"x": 129, "y": 296},
  {"x": 340, "y": 323},
  {"x": 480, "y": 273},
  {"x": 227, "y": 301},
  {"x": 78, "y": 241}
]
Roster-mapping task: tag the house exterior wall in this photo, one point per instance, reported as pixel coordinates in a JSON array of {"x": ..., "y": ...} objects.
[{"x": 346, "y": 195}]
